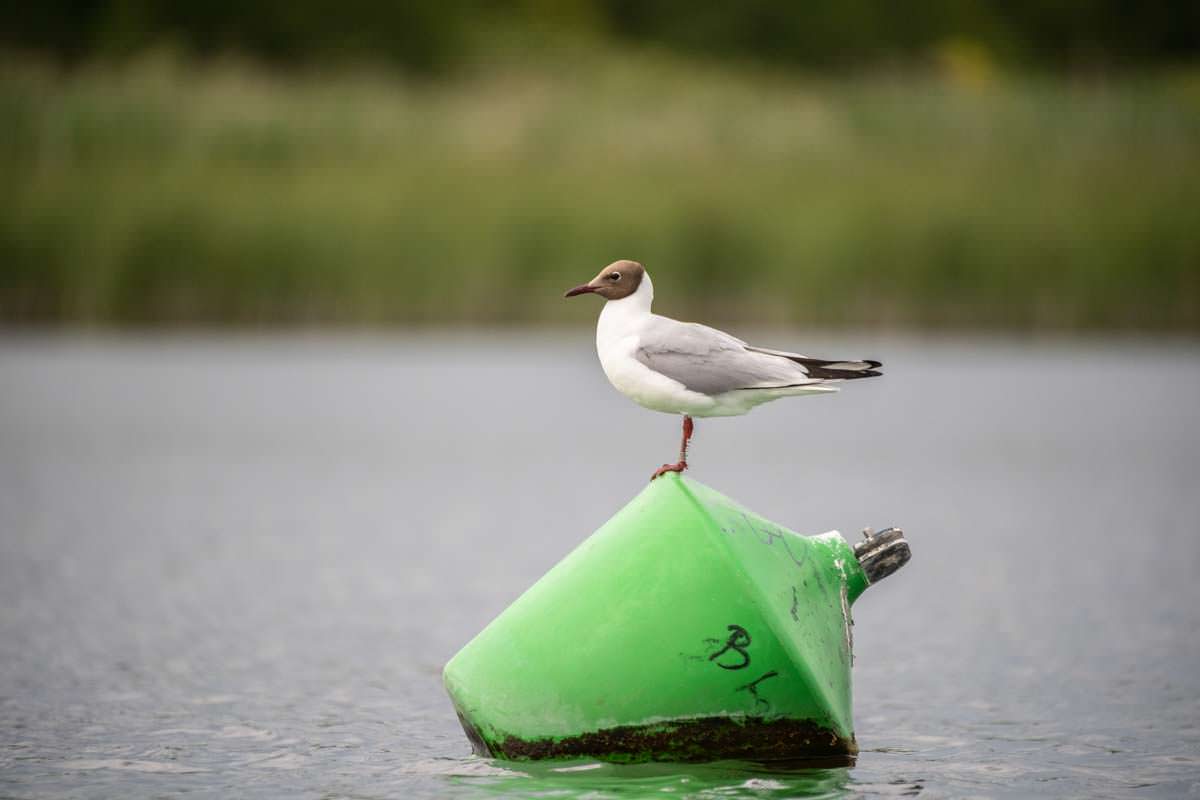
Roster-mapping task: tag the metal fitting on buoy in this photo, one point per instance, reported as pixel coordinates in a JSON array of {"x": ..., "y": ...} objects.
[{"x": 881, "y": 554}]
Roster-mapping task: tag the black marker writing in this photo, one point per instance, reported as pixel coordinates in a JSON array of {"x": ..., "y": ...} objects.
[
  {"x": 738, "y": 641},
  {"x": 752, "y": 688}
]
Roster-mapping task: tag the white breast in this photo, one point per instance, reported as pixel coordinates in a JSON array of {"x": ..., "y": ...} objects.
[{"x": 617, "y": 335}]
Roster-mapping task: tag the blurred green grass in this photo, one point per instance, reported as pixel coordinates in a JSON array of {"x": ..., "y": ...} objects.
[{"x": 161, "y": 192}]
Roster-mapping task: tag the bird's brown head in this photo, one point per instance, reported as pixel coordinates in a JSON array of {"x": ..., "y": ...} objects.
[{"x": 619, "y": 279}]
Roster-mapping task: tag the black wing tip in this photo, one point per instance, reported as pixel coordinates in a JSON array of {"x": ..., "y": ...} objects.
[
  {"x": 875, "y": 368},
  {"x": 822, "y": 368}
]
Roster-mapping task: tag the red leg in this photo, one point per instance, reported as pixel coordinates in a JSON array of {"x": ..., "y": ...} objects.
[{"x": 688, "y": 427}]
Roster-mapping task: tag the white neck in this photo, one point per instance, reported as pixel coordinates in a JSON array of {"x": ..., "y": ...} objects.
[
  {"x": 636, "y": 303},
  {"x": 622, "y": 317}
]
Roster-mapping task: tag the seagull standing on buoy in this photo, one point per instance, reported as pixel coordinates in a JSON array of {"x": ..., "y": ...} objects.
[{"x": 690, "y": 369}]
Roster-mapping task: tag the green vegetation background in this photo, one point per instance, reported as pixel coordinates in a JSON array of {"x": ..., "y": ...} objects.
[{"x": 959, "y": 188}]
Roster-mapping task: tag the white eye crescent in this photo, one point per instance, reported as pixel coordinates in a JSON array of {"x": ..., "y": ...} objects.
[{"x": 614, "y": 276}]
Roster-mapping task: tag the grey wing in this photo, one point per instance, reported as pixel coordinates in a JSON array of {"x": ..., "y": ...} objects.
[{"x": 710, "y": 361}]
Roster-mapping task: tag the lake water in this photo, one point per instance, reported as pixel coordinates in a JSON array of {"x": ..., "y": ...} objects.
[{"x": 234, "y": 566}]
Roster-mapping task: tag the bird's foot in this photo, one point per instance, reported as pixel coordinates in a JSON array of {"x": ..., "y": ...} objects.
[{"x": 679, "y": 466}]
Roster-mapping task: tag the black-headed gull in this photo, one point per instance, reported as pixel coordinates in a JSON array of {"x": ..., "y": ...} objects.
[{"x": 690, "y": 369}]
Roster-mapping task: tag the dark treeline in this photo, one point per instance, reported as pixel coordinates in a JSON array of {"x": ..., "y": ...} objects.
[{"x": 433, "y": 36}]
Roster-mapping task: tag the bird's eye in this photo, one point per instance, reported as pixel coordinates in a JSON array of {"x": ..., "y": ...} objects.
[{"x": 614, "y": 276}]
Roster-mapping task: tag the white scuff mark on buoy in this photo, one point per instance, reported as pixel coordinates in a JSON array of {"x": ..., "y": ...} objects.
[{"x": 847, "y": 618}]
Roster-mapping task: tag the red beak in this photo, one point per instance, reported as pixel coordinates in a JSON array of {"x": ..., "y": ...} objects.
[{"x": 584, "y": 289}]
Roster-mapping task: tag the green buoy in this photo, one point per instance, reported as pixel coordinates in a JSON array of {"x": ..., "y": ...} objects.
[{"x": 686, "y": 629}]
